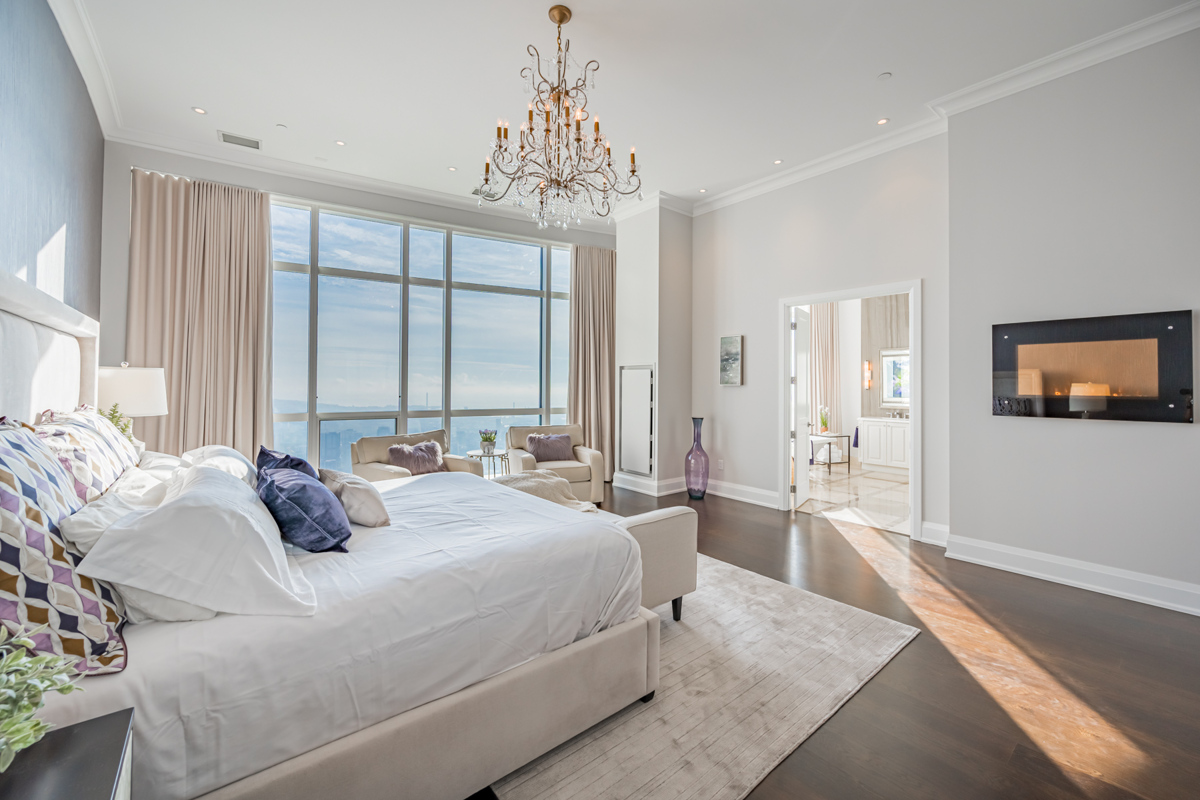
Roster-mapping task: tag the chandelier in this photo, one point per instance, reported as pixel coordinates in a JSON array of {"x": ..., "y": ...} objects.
[{"x": 558, "y": 167}]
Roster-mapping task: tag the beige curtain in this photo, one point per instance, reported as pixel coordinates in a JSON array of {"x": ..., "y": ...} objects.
[
  {"x": 825, "y": 366},
  {"x": 200, "y": 306},
  {"x": 591, "y": 393}
]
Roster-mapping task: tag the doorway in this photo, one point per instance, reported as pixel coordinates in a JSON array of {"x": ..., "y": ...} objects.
[{"x": 850, "y": 403}]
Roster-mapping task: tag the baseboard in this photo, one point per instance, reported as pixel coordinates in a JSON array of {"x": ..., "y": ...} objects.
[
  {"x": 644, "y": 485},
  {"x": 747, "y": 494},
  {"x": 935, "y": 533},
  {"x": 1149, "y": 589}
]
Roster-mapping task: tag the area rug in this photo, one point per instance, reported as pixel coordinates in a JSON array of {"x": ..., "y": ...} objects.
[{"x": 752, "y": 670}]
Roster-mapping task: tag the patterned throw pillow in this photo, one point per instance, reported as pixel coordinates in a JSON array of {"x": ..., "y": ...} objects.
[
  {"x": 90, "y": 446},
  {"x": 38, "y": 581}
]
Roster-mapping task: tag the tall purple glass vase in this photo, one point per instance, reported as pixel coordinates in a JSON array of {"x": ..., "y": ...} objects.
[{"x": 695, "y": 464}]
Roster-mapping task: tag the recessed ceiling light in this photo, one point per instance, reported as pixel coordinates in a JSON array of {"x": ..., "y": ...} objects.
[
  {"x": 883, "y": 121},
  {"x": 702, "y": 191},
  {"x": 341, "y": 144},
  {"x": 280, "y": 125},
  {"x": 883, "y": 76},
  {"x": 199, "y": 110},
  {"x": 779, "y": 161},
  {"x": 452, "y": 169}
]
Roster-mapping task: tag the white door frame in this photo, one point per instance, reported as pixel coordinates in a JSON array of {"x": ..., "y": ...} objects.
[{"x": 782, "y": 376}]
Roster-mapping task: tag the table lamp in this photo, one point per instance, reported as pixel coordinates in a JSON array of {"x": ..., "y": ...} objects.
[{"x": 127, "y": 391}]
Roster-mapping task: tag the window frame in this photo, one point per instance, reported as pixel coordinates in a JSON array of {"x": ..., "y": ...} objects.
[{"x": 313, "y": 270}]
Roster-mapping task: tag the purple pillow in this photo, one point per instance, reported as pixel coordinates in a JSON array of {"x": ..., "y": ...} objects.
[
  {"x": 550, "y": 446},
  {"x": 272, "y": 459},
  {"x": 308, "y": 514},
  {"x": 418, "y": 459}
]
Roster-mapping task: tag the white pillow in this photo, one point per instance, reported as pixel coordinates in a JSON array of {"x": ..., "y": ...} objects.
[
  {"x": 85, "y": 527},
  {"x": 142, "y": 606},
  {"x": 163, "y": 466},
  {"x": 212, "y": 543},
  {"x": 362, "y": 501},
  {"x": 225, "y": 459},
  {"x": 138, "y": 487}
]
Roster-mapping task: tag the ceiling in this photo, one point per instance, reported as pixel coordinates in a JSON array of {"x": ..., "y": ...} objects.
[{"x": 711, "y": 92}]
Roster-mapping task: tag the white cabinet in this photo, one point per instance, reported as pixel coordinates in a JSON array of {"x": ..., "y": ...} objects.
[
  {"x": 884, "y": 442},
  {"x": 876, "y": 450}
]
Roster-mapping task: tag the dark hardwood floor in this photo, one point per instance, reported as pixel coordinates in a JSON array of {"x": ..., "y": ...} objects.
[{"x": 1016, "y": 688}]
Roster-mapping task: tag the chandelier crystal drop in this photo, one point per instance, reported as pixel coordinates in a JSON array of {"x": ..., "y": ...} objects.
[{"x": 559, "y": 166}]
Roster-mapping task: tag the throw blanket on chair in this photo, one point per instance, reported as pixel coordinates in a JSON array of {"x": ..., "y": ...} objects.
[{"x": 545, "y": 484}]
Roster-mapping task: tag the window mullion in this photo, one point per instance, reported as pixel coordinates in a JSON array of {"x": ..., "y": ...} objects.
[
  {"x": 314, "y": 430},
  {"x": 447, "y": 331},
  {"x": 402, "y": 419},
  {"x": 547, "y": 277}
]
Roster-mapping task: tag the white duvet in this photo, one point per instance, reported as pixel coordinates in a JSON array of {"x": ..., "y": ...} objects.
[{"x": 470, "y": 579}]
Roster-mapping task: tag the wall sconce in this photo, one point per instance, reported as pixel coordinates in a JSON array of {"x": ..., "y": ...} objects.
[{"x": 866, "y": 374}]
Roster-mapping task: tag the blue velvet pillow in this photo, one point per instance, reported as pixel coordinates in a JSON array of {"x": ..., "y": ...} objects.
[
  {"x": 308, "y": 514},
  {"x": 272, "y": 459}
]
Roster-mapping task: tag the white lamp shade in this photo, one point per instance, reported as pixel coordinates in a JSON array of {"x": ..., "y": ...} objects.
[
  {"x": 1089, "y": 397},
  {"x": 139, "y": 391}
]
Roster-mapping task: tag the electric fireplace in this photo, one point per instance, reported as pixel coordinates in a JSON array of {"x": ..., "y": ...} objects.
[{"x": 1131, "y": 367}]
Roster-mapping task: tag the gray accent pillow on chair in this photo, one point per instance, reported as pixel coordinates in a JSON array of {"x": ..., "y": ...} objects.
[
  {"x": 419, "y": 459},
  {"x": 550, "y": 446}
]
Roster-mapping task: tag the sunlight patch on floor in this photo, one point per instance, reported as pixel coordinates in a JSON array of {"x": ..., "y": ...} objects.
[{"x": 1066, "y": 728}]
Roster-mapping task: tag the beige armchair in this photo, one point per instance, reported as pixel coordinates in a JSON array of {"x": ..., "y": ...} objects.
[
  {"x": 585, "y": 473},
  {"x": 369, "y": 456}
]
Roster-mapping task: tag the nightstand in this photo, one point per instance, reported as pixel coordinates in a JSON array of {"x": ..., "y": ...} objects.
[{"x": 85, "y": 761}]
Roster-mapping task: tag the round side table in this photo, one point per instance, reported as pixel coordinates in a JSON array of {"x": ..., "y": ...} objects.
[{"x": 494, "y": 463}]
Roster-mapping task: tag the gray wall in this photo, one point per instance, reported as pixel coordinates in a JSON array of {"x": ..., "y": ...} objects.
[
  {"x": 51, "y": 159},
  {"x": 119, "y": 159},
  {"x": 1076, "y": 198},
  {"x": 874, "y": 222},
  {"x": 884, "y": 327}
]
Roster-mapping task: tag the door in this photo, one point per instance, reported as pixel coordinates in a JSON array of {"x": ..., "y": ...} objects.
[{"x": 801, "y": 412}]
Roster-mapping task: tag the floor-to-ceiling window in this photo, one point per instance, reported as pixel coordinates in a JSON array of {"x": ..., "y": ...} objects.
[{"x": 384, "y": 325}]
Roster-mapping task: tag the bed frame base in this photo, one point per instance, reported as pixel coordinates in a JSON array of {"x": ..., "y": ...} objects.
[{"x": 459, "y": 745}]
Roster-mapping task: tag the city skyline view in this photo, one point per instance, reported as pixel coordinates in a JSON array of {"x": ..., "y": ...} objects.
[{"x": 497, "y": 343}]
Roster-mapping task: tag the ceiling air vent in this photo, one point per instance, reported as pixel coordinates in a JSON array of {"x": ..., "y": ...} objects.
[
  {"x": 488, "y": 196},
  {"x": 240, "y": 141}
]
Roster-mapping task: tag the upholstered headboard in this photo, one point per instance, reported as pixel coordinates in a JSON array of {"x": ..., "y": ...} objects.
[{"x": 48, "y": 352}]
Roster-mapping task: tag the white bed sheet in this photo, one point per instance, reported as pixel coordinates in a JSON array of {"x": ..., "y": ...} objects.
[{"x": 470, "y": 579}]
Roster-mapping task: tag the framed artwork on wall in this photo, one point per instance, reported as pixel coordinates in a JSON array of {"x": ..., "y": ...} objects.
[{"x": 731, "y": 360}]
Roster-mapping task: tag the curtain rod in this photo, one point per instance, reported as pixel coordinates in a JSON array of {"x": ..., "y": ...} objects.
[{"x": 186, "y": 178}]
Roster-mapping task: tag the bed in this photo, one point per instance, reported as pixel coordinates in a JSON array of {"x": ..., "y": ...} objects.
[{"x": 480, "y": 630}]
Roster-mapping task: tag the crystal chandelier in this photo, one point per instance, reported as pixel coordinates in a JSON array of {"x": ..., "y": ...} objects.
[{"x": 558, "y": 167}]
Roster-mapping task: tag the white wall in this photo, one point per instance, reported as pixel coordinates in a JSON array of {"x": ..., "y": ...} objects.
[
  {"x": 654, "y": 326},
  {"x": 674, "y": 344},
  {"x": 878, "y": 221},
  {"x": 850, "y": 369},
  {"x": 119, "y": 159},
  {"x": 1077, "y": 198}
]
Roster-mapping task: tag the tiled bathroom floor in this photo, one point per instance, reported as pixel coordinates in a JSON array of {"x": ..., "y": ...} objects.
[{"x": 865, "y": 497}]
